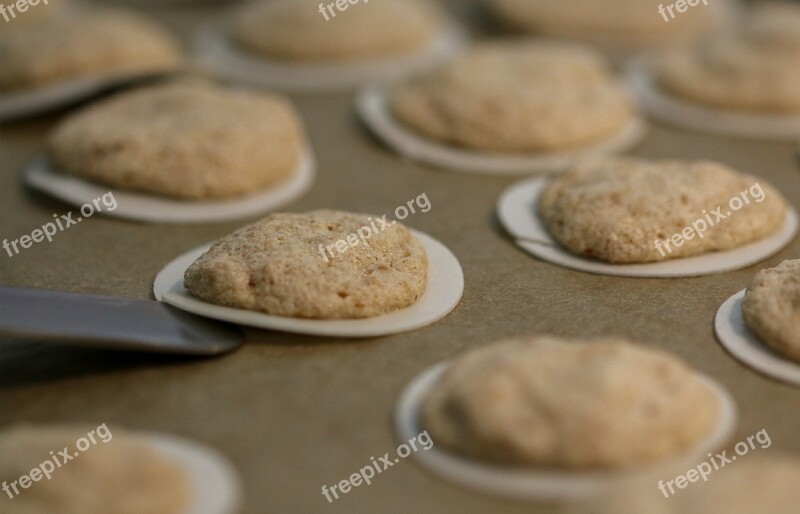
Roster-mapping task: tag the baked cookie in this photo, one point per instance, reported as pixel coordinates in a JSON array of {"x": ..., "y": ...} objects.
[
  {"x": 634, "y": 22},
  {"x": 516, "y": 97},
  {"x": 79, "y": 45},
  {"x": 546, "y": 401},
  {"x": 755, "y": 69},
  {"x": 626, "y": 210},
  {"x": 186, "y": 140},
  {"x": 120, "y": 474},
  {"x": 313, "y": 265},
  {"x": 297, "y": 30},
  {"x": 771, "y": 308},
  {"x": 756, "y": 484}
]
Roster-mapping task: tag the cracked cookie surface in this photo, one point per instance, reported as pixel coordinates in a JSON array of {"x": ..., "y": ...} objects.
[{"x": 280, "y": 266}]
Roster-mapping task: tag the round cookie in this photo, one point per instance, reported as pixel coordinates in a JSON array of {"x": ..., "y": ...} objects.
[
  {"x": 754, "y": 484},
  {"x": 771, "y": 308},
  {"x": 626, "y": 210},
  {"x": 183, "y": 140},
  {"x": 552, "y": 402},
  {"x": 121, "y": 473},
  {"x": 74, "y": 46},
  {"x": 297, "y": 30},
  {"x": 632, "y": 21},
  {"x": 516, "y": 97},
  {"x": 313, "y": 265},
  {"x": 756, "y": 69}
]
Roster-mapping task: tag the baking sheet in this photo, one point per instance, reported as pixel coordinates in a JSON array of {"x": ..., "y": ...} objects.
[{"x": 294, "y": 412}]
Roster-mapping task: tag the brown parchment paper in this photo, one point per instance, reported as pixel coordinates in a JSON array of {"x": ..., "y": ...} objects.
[{"x": 294, "y": 413}]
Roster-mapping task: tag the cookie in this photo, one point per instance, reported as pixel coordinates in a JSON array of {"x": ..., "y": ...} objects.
[
  {"x": 297, "y": 30},
  {"x": 751, "y": 484},
  {"x": 631, "y": 21},
  {"x": 61, "y": 48},
  {"x": 516, "y": 97},
  {"x": 322, "y": 264},
  {"x": 552, "y": 402},
  {"x": 771, "y": 308},
  {"x": 626, "y": 210},
  {"x": 756, "y": 69},
  {"x": 119, "y": 473},
  {"x": 186, "y": 140}
]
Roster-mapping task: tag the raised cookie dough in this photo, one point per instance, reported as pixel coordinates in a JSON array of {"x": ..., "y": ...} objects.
[
  {"x": 616, "y": 209},
  {"x": 296, "y": 30},
  {"x": 755, "y": 69},
  {"x": 123, "y": 475},
  {"x": 73, "y": 46},
  {"x": 516, "y": 97},
  {"x": 563, "y": 403},
  {"x": 280, "y": 266},
  {"x": 183, "y": 140},
  {"x": 632, "y": 21},
  {"x": 771, "y": 308}
]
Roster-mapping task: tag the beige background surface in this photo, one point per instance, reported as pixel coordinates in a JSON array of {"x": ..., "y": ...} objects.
[{"x": 294, "y": 413}]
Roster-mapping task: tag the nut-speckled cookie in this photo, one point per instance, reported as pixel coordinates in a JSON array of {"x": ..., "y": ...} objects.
[
  {"x": 554, "y": 402},
  {"x": 755, "y": 69},
  {"x": 79, "y": 45},
  {"x": 187, "y": 140},
  {"x": 616, "y": 209},
  {"x": 771, "y": 308},
  {"x": 516, "y": 97},
  {"x": 296, "y": 30},
  {"x": 280, "y": 266},
  {"x": 123, "y": 475}
]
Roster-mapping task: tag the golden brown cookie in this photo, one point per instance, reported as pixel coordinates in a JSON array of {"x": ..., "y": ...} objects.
[
  {"x": 755, "y": 69},
  {"x": 298, "y": 29},
  {"x": 104, "y": 43},
  {"x": 120, "y": 473},
  {"x": 183, "y": 140},
  {"x": 322, "y": 264},
  {"x": 626, "y": 210},
  {"x": 546, "y": 401},
  {"x": 516, "y": 97},
  {"x": 771, "y": 308}
]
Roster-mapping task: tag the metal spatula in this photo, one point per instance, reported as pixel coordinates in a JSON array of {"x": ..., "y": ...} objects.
[{"x": 106, "y": 322}]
